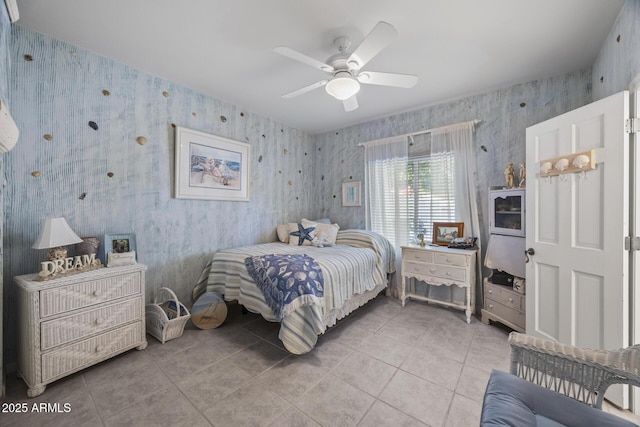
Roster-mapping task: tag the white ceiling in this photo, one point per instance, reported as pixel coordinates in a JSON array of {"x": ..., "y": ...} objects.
[{"x": 457, "y": 48}]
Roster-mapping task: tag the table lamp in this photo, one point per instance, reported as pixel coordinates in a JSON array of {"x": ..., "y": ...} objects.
[{"x": 54, "y": 234}]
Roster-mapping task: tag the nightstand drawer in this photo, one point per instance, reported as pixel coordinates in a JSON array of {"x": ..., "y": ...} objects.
[
  {"x": 417, "y": 255},
  {"x": 506, "y": 313},
  {"x": 451, "y": 259},
  {"x": 85, "y": 353},
  {"x": 504, "y": 296},
  {"x": 66, "y": 329},
  {"x": 444, "y": 272},
  {"x": 85, "y": 294}
]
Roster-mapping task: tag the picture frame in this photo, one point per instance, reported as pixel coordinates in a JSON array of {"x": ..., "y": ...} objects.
[
  {"x": 351, "y": 193},
  {"x": 210, "y": 167},
  {"x": 119, "y": 243},
  {"x": 445, "y": 232}
]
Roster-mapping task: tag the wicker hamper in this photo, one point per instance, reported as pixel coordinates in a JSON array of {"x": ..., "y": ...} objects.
[{"x": 164, "y": 320}]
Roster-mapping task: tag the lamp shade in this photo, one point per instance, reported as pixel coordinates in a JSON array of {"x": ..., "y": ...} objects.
[
  {"x": 342, "y": 86},
  {"x": 55, "y": 232}
]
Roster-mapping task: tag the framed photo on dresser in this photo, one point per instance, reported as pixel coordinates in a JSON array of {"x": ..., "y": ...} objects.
[{"x": 445, "y": 232}]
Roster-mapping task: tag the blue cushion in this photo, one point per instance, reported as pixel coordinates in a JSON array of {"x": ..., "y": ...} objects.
[{"x": 512, "y": 401}]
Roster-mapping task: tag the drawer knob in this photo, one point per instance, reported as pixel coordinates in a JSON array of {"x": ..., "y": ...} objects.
[
  {"x": 433, "y": 270},
  {"x": 510, "y": 299},
  {"x": 490, "y": 305},
  {"x": 448, "y": 273},
  {"x": 97, "y": 293},
  {"x": 99, "y": 348},
  {"x": 490, "y": 291},
  {"x": 449, "y": 260},
  {"x": 99, "y": 321}
]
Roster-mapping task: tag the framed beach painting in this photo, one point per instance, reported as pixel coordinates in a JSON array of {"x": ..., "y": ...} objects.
[{"x": 210, "y": 167}]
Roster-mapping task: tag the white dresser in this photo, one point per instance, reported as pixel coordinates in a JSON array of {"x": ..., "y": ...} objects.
[
  {"x": 440, "y": 266},
  {"x": 69, "y": 323}
]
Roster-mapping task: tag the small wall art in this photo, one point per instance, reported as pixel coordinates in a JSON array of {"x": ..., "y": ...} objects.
[
  {"x": 351, "y": 194},
  {"x": 210, "y": 167}
]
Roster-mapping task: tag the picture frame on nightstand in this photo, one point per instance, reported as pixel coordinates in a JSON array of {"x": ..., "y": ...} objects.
[
  {"x": 118, "y": 243},
  {"x": 445, "y": 232}
]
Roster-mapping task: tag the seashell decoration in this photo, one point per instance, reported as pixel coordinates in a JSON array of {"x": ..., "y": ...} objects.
[
  {"x": 35, "y": 173},
  {"x": 562, "y": 164},
  {"x": 93, "y": 125},
  {"x": 47, "y": 136},
  {"x": 110, "y": 174},
  {"x": 545, "y": 168},
  {"x": 105, "y": 92},
  {"x": 581, "y": 161},
  {"x": 141, "y": 140}
]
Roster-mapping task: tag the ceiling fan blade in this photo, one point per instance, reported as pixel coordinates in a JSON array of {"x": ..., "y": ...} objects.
[
  {"x": 305, "y": 89},
  {"x": 387, "y": 79},
  {"x": 301, "y": 57},
  {"x": 350, "y": 104},
  {"x": 376, "y": 40}
]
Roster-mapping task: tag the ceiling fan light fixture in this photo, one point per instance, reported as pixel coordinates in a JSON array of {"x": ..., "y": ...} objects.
[{"x": 342, "y": 86}]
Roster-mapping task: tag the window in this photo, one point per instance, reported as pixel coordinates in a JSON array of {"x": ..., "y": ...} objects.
[{"x": 431, "y": 194}]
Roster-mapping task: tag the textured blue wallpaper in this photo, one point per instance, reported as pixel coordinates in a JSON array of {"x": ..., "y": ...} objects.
[{"x": 618, "y": 62}]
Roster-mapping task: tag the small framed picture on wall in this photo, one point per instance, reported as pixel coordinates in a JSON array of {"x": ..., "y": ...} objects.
[{"x": 351, "y": 194}]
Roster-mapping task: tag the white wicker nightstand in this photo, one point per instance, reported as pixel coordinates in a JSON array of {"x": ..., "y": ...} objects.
[{"x": 72, "y": 322}]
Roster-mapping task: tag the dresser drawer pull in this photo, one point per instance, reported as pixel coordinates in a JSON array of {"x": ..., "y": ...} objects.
[
  {"x": 99, "y": 321},
  {"x": 448, "y": 273},
  {"x": 432, "y": 270},
  {"x": 97, "y": 293},
  {"x": 490, "y": 305},
  {"x": 510, "y": 299},
  {"x": 449, "y": 260},
  {"x": 99, "y": 349},
  {"x": 490, "y": 291}
]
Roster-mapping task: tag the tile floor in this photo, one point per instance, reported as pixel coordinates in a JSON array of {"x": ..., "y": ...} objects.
[{"x": 421, "y": 365}]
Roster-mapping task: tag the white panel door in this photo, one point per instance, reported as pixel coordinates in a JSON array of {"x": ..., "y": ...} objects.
[{"x": 577, "y": 280}]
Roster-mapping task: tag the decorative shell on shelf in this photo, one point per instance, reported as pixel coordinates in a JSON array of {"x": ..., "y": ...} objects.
[
  {"x": 581, "y": 161},
  {"x": 545, "y": 168},
  {"x": 562, "y": 164}
]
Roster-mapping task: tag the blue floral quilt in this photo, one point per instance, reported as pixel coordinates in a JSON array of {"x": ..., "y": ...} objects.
[{"x": 287, "y": 281}]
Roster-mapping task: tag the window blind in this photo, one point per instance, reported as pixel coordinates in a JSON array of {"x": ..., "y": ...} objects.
[{"x": 431, "y": 195}]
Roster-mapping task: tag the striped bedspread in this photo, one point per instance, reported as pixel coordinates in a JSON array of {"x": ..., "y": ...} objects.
[{"x": 357, "y": 265}]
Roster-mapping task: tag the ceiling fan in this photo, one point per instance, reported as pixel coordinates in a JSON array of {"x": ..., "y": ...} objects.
[{"x": 345, "y": 70}]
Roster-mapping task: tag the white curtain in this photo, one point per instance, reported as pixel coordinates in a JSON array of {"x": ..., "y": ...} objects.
[
  {"x": 458, "y": 139},
  {"x": 386, "y": 195}
]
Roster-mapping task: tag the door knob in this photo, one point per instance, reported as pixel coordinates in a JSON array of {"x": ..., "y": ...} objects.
[{"x": 528, "y": 252}]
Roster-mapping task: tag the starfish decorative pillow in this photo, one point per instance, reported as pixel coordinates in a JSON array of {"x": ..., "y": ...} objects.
[{"x": 302, "y": 236}]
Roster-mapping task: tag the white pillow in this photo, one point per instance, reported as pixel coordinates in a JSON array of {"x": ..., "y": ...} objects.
[
  {"x": 324, "y": 234},
  {"x": 283, "y": 231}
]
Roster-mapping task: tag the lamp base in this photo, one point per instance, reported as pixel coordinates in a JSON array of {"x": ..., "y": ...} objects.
[{"x": 56, "y": 253}]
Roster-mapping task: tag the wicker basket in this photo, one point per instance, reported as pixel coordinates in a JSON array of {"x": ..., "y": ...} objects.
[{"x": 163, "y": 318}]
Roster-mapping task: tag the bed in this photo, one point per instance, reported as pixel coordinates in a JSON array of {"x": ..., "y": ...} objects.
[{"x": 354, "y": 270}]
